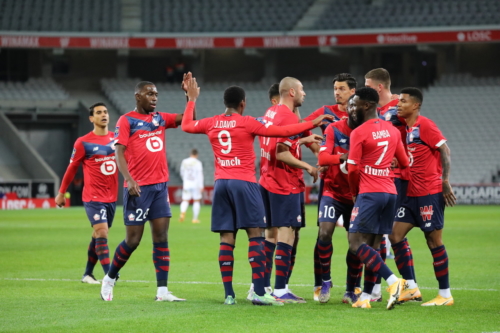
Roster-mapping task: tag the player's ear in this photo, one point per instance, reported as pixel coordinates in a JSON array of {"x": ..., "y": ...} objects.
[{"x": 91, "y": 119}]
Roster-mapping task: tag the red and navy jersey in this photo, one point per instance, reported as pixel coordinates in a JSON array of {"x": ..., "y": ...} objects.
[
  {"x": 424, "y": 139},
  {"x": 389, "y": 112},
  {"x": 97, "y": 155},
  {"x": 297, "y": 180},
  {"x": 337, "y": 142},
  {"x": 332, "y": 110},
  {"x": 232, "y": 138},
  {"x": 373, "y": 146},
  {"x": 276, "y": 176},
  {"x": 143, "y": 135}
]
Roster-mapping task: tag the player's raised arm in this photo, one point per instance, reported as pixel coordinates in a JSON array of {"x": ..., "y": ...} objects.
[
  {"x": 325, "y": 156},
  {"x": 189, "y": 125},
  {"x": 449, "y": 196},
  {"x": 184, "y": 84},
  {"x": 260, "y": 129}
]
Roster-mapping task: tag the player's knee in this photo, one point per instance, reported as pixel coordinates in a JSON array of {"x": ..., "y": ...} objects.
[
  {"x": 394, "y": 238},
  {"x": 325, "y": 236}
]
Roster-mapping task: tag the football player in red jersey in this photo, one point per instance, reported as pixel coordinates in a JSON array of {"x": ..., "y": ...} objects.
[
  {"x": 96, "y": 152},
  {"x": 237, "y": 202},
  {"x": 374, "y": 144},
  {"x": 380, "y": 80},
  {"x": 429, "y": 191},
  {"x": 344, "y": 85},
  {"x": 140, "y": 151}
]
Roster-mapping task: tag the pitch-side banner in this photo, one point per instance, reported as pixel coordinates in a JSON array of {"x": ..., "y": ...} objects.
[
  {"x": 477, "y": 194},
  {"x": 279, "y": 41}
]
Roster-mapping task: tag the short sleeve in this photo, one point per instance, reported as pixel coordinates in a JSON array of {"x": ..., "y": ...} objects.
[
  {"x": 169, "y": 119},
  {"x": 430, "y": 134},
  {"x": 122, "y": 131},
  {"x": 78, "y": 153},
  {"x": 356, "y": 148}
]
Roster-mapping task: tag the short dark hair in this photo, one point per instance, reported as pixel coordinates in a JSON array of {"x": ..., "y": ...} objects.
[
  {"x": 233, "y": 96},
  {"x": 93, "y": 106},
  {"x": 367, "y": 94},
  {"x": 194, "y": 152},
  {"x": 345, "y": 77},
  {"x": 381, "y": 75},
  {"x": 415, "y": 93},
  {"x": 274, "y": 90},
  {"x": 142, "y": 84}
]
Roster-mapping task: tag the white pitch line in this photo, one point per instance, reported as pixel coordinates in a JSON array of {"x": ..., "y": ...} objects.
[{"x": 205, "y": 282}]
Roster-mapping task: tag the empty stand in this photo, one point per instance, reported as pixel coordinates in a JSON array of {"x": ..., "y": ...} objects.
[
  {"x": 60, "y": 15},
  {"x": 35, "y": 89},
  {"x": 221, "y": 15}
]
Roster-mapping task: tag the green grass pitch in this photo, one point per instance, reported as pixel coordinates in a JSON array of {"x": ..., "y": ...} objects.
[{"x": 43, "y": 254}]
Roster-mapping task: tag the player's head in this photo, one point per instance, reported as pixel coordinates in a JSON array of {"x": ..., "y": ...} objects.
[
  {"x": 410, "y": 101},
  {"x": 292, "y": 89},
  {"x": 378, "y": 79},
  {"x": 194, "y": 152},
  {"x": 274, "y": 94},
  {"x": 365, "y": 103},
  {"x": 146, "y": 96},
  {"x": 351, "y": 110},
  {"x": 98, "y": 114},
  {"x": 234, "y": 98},
  {"x": 344, "y": 85}
]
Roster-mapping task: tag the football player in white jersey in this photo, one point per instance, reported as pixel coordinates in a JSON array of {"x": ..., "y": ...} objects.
[{"x": 192, "y": 179}]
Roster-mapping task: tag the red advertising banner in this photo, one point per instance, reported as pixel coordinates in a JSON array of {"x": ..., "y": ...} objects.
[
  {"x": 280, "y": 41},
  {"x": 28, "y": 203}
]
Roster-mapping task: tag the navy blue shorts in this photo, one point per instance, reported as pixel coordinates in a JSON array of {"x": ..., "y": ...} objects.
[
  {"x": 331, "y": 210},
  {"x": 100, "y": 212},
  {"x": 237, "y": 204},
  {"x": 372, "y": 213},
  {"x": 303, "y": 209},
  {"x": 320, "y": 194},
  {"x": 152, "y": 204},
  {"x": 282, "y": 210},
  {"x": 426, "y": 212},
  {"x": 402, "y": 188}
]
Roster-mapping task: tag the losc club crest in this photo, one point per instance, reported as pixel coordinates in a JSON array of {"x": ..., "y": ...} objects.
[
  {"x": 238, "y": 42},
  {"x": 96, "y": 217},
  {"x": 150, "y": 42},
  {"x": 64, "y": 41},
  {"x": 322, "y": 40},
  {"x": 117, "y": 131},
  {"x": 131, "y": 217}
]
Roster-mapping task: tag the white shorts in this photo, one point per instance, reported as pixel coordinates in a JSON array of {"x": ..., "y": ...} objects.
[{"x": 191, "y": 193}]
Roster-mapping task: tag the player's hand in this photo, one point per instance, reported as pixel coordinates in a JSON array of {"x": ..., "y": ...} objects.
[
  {"x": 313, "y": 172},
  {"x": 60, "y": 200},
  {"x": 322, "y": 169},
  {"x": 185, "y": 79},
  {"x": 133, "y": 188},
  {"x": 449, "y": 197},
  {"x": 394, "y": 163},
  {"x": 354, "y": 198},
  {"x": 344, "y": 118},
  {"x": 315, "y": 138},
  {"x": 193, "y": 91},
  {"x": 344, "y": 157},
  {"x": 322, "y": 120}
]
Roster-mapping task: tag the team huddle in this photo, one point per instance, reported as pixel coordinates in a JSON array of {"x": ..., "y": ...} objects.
[{"x": 383, "y": 170}]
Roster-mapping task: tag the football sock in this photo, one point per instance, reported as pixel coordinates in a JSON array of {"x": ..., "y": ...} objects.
[
  {"x": 161, "y": 260},
  {"x": 369, "y": 281},
  {"x": 184, "y": 206},
  {"x": 440, "y": 257},
  {"x": 377, "y": 289},
  {"x": 91, "y": 258},
  {"x": 293, "y": 254},
  {"x": 257, "y": 259},
  {"x": 325, "y": 251},
  {"x": 373, "y": 261},
  {"x": 269, "y": 248},
  {"x": 383, "y": 255},
  {"x": 404, "y": 259},
  {"x": 122, "y": 253},
  {"x": 226, "y": 263},
  {"x": 446, "y": 293},
  {"x": 102, "y": 251},
  {"x": 317, "y": 266},
  {"x": 354, "y": 271},
  {"x": 196, "y": 210},
  {"x": 282, "y": 264}
]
